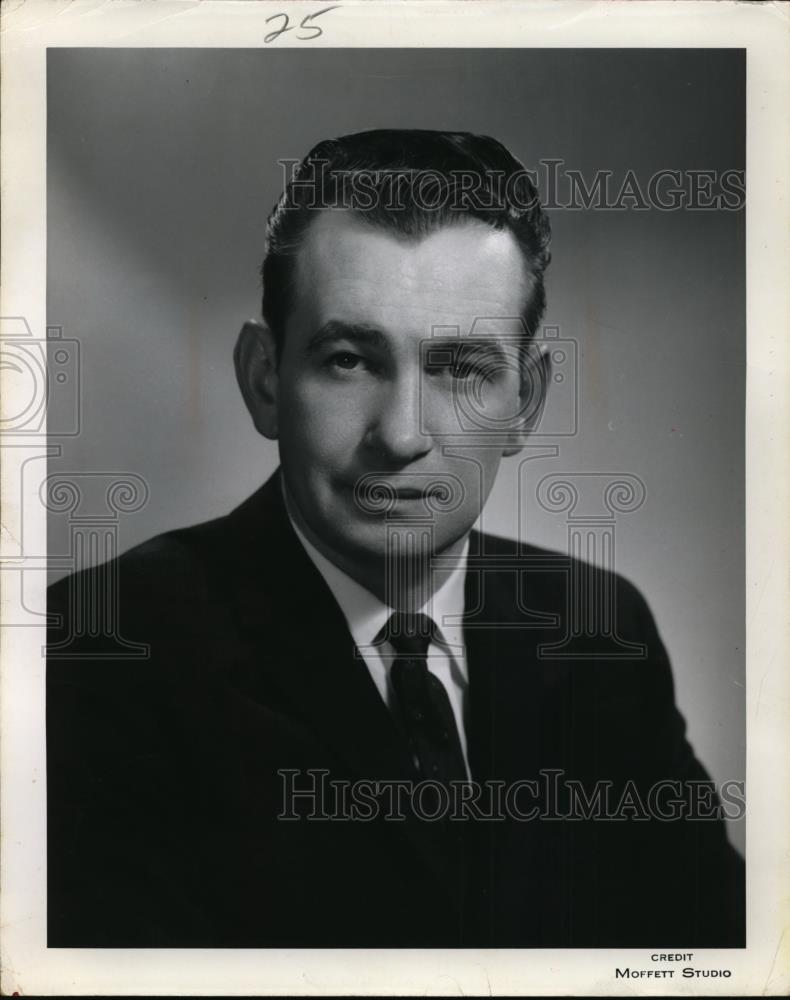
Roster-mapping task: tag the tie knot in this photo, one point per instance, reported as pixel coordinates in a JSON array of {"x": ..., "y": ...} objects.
[{"x": 409, "y": 634}]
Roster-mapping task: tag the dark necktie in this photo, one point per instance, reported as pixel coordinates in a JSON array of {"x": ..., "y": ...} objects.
[{"x": 423, "y": 702}]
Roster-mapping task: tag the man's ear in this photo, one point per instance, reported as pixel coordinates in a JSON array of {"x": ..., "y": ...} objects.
[
  {"x": 535, "y": 379},
  {"x": 255, "y": 358}
]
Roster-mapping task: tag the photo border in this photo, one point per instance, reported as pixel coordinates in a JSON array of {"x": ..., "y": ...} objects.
[{"x": 28, "y": 29}]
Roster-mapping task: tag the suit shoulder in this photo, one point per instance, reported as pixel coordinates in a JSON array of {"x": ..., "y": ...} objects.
[
  {"x": 190, "y": 546},
  {"x": 176, "y": 562},
  {"x": 555, "y": 569}
]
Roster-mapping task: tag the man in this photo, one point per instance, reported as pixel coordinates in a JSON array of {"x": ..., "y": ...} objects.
[{"x": 334, "y": 663}]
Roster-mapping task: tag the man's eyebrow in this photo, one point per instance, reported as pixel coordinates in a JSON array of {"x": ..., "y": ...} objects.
[{"x": 335, "y": 329}]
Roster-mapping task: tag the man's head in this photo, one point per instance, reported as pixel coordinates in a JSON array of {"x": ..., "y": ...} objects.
[{"x": 403, "y": 280}]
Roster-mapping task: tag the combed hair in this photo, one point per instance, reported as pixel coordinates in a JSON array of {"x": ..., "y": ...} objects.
[{"x": 410, "y": 181}]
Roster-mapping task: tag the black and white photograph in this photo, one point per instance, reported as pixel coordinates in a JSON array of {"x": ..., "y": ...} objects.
[{"x": 389, "y": 576}]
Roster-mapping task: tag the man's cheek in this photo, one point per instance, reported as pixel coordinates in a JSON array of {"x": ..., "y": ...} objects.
[
  {"x": 478, "y": 473},
  {"x": 310, "y": 429},
  {"x": 323, "y": 414}
]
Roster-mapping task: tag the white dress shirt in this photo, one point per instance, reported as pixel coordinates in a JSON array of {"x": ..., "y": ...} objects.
[{"x": 366, "y": 615}]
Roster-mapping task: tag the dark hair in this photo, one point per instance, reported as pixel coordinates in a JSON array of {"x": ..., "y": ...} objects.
[{"x": 411, "y": 181}]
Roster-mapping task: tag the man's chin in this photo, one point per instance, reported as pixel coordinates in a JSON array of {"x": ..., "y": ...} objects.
[{"x": 395, "y": 540}]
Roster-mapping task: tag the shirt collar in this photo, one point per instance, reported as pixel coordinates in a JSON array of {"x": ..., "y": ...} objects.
[{"x": 366, "y": 615}]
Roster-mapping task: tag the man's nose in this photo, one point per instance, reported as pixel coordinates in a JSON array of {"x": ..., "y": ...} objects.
[{"x": 396, "y": 430}]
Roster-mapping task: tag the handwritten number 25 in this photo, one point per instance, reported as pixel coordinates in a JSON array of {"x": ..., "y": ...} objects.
[{"x": 304, "y": 25}]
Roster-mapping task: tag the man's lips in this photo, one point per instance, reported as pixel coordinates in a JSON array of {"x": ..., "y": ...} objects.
[
  {"x": 378, "y": 489},
  {"x": 404, "y": 492},
  {"x": 375, "y": 493},
  {"x": 415, "y": 493}
]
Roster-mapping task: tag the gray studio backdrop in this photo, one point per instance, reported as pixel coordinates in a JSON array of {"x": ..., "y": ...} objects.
[{"x": 162, "y": 167}]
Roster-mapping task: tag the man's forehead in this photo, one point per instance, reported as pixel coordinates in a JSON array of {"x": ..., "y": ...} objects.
[{"x": 449, "y": 274}]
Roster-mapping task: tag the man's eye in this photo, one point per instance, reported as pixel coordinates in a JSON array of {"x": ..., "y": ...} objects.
[{"x": 346, "y": 361}]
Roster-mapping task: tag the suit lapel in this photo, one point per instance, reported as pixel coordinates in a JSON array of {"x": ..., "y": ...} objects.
[
  {"x": 302, "y": 648},
  {"x": 302, "y": 644}
]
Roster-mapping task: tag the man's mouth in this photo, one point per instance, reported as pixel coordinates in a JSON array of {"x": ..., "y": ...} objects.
[
  {"x": 379, "y": 493},
  {"x": 414, "y": 493},
  {"x": 399, "y": 492}
]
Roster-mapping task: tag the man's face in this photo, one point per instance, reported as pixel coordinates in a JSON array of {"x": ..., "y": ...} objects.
[{"x": 371, "y": 389}]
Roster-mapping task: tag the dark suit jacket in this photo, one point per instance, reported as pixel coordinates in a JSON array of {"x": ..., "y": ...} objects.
[{"x": 164, "y": 792}]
